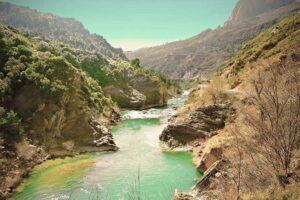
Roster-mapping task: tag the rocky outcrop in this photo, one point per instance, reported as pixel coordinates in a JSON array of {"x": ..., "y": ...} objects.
[
  {"x": 182, "y": 196},
  {"x": 215, "y": 181},
  {"x": 211, "y": 185},
  {"x": 207, "y": 159},
  {"x": 202, "y": 123},
  {"x": 141, "y": 92},
  {"x": 246, "y": 9},
  {"x": 154, "y": 91},
  {"x": 16, "y": 165},
  {"x": 65, "y": 125}
]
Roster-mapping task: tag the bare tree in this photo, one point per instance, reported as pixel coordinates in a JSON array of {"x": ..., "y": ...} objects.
[{"x": 275, "y": 124}]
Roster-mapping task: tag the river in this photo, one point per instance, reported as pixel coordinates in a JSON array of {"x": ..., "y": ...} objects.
[{"x": 139, "y": 168}]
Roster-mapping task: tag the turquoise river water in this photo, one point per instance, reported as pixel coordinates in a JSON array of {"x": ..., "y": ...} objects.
[{"x": 139, "y": 170}]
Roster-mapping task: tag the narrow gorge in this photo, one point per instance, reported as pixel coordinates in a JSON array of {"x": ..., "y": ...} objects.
[{"x": 141, "y": 113}]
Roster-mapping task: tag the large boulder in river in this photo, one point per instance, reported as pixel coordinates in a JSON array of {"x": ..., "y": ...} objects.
[{"x": 200, "y": 124}]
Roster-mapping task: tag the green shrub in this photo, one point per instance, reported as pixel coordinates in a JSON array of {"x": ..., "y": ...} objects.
[
  {"x": 135, "y": 63},
  {"x": 23, "y": 50},
  {"x": 10, "y": 125}
]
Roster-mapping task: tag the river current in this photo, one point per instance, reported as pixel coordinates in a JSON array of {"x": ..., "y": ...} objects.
[{"x": 139, "y": 170}]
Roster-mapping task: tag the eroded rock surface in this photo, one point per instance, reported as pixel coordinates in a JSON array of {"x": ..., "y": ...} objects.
[{"x": 202, "y": 123}]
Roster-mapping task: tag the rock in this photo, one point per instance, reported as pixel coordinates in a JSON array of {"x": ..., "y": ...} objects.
[
  {"x": 141, "y": 92},
  {"x": 210, "y": 172},
  {"x": 218, "y": 174},
  {"x": 246, "y": 10},
  {"x": 209, "y": 158},
  {"x": 200, "y": 124},
  {"x": 68, "y": 145},
  {"x": 182, "y": 196}
]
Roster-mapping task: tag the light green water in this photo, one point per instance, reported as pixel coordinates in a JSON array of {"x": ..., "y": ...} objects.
[{"x": 139, "y": 165}]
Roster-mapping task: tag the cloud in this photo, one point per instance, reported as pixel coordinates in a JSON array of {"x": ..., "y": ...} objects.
[{"x": 130, "y": 45}]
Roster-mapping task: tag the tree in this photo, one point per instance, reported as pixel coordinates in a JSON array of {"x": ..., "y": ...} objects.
[
  {"x": 135, "y": 62},
  {"x": 274, "y": 126}
]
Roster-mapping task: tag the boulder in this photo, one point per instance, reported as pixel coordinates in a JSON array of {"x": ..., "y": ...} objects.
[
  {"x": 200, "y": 124},
  {"x": 209, "y": 158}
]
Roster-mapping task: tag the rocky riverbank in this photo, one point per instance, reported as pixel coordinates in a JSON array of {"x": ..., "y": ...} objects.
[
  {"x": 229, "y": 125},
  {"x": 194, "y": 131}
]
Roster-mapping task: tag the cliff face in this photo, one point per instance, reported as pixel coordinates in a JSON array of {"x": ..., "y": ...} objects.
[
  {"x": 246, "y": 9},
  {"x": 199, "y": 56}
]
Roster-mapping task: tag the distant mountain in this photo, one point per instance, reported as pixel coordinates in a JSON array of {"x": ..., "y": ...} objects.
[
  {"x": 66, "y": 30},
  {"x": 199, "y": 56},
  {"x": 246, "y": 9}
]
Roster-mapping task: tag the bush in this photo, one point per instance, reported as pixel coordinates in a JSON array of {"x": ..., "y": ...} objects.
[
  {"x": 10, "y": 125},
  {"x": 135, "y": 63},
  {"x": 23, "y": 50}
]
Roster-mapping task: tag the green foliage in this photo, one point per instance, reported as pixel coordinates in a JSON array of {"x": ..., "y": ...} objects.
[
  {"x": 42, "y": 74},
  {"x": 10, "y": 125},
  {"x": 135, "y": 63},
  {"x": 276, "y": 39}
]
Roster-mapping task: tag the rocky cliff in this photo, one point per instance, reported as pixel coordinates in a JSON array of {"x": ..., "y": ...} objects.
[
  {"x": 225, "y": 156},
  {"x": 199, "y": 56},
  {"x": 246, "y": 10}
]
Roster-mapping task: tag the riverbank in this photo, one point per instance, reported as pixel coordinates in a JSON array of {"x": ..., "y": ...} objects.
[{"x": 114, "y": 173}]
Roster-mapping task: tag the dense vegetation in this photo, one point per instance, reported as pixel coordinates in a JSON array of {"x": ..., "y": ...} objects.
[{"x": 23, "y": 64}]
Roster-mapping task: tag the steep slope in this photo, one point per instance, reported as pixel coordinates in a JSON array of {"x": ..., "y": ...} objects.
[
  {"x": 246, "y": 10},
  {"x": 128, "y": 85},
  {"x": 67, "y": 30},
  {"x": 198, "y": 56},
  {"x": 48, "y": 107},
  {"x": 51, "y": 95},
  {"x": 215, "y": 134}
]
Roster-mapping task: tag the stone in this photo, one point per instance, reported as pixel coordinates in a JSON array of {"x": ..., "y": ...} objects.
[
  {"x": 209, "y": 158},
  {"x": 202, "y": 123}
]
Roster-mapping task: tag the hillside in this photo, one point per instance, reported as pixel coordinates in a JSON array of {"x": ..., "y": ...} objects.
[
  {"x": 246, "y": 10},
  {"x": 43, "y": 99},
  {"x": 66, "y": 30},
  {"x": 199, "y": 56},
  {"x": 246, "y": 115},
  {"x": 129, "y": 85}
]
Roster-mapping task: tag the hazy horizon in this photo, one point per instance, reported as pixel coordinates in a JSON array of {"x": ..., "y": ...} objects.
[{"x": 134, "y": 24}]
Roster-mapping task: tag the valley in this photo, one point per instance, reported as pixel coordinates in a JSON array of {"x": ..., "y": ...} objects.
[{"x": 214, "y": 116}]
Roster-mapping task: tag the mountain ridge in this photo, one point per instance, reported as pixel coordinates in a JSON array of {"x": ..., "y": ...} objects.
[
  {"x": 67, "y": 30},
  {"x": 198, "y": 57}
]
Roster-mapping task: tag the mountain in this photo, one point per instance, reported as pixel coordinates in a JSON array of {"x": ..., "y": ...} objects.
[
  {"x": 199, "y": 56},
  {"x": 246, "y": 9},
  {"x": 67, "y": 30},
  {"x": 129, "y": 85}
]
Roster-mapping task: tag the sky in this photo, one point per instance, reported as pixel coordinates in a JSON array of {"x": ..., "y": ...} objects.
[{"x": 133, "y": 24}]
